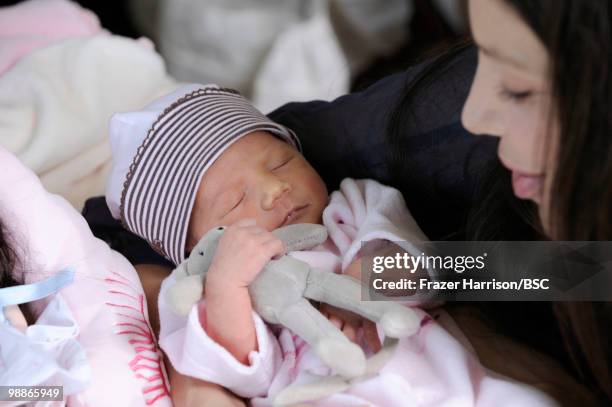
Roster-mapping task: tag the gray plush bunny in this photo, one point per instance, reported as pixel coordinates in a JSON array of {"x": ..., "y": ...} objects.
[{"x": 281, "y": 292}]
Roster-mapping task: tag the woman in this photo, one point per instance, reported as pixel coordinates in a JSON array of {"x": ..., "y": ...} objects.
[{"x": 544, "y": 87}]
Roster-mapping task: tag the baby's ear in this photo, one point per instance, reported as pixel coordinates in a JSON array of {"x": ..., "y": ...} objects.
[{"x": 203, "y": 252}]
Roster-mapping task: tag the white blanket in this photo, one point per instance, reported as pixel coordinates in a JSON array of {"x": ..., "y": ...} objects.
[{"x": 55, "y": 104}]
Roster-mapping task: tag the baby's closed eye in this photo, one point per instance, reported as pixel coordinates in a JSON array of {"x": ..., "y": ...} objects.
[
  {"x": 281, "y": 163},
  {"x": 230, "y": 201}
]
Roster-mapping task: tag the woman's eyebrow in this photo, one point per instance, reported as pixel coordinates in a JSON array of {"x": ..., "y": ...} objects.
[{"x": 495, "y": 54}]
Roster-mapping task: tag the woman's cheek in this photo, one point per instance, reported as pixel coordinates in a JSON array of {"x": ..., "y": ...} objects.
[{"x": 525, "y": 140}]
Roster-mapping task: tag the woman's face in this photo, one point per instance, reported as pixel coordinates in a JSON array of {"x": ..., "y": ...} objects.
[{"x": 510, "y": 97}]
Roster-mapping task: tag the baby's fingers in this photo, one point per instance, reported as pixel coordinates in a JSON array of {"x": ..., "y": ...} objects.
[
  {"x": 370, "y": 335},
  {"x": 246, "y": 222},
  {"x": 350, "y": 331},
  {"x": 274, "y": 246},
  {"x": 337, "y": 322}
]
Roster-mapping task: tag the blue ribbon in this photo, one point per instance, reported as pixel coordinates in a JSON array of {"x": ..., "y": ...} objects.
[{"x": 22, "y": 294}]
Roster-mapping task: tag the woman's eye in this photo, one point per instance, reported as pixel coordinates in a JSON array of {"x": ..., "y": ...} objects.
[
  {"x": 515, "y": 96},
  {"x": 285, "y": 162}
]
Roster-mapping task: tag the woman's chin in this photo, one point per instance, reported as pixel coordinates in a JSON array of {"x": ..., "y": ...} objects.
[{"x": 537, "y": 199}]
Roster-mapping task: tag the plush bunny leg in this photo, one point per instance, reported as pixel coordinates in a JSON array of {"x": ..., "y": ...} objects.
[
  {"x": 334, "y": 349},
  {"x": 344, "y": 292}
]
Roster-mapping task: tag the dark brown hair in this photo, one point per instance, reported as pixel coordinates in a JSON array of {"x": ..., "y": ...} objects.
[
  {"x": 8, "y": 258},
  {"x": 578, "y": 37}
]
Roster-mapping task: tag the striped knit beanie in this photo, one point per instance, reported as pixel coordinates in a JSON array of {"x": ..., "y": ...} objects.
[{"x": 161, "y": 153}]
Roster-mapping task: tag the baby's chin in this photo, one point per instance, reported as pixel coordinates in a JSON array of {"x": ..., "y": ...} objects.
[
  {"x": 308, "y": 216},
  {"x": 314, "y": 218}
]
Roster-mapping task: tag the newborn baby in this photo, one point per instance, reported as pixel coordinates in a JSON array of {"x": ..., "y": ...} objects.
[{"x": 202, "y": 157}]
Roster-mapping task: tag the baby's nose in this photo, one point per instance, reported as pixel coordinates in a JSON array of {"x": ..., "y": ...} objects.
[{"x": 274, "y": 190}]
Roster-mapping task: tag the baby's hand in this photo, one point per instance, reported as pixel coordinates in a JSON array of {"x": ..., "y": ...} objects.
[
  {"x": 244, "y": 249},
  {"x": 350, "y": 323}
]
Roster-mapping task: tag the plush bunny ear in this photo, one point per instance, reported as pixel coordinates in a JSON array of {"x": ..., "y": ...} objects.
[
  {"x": 203, "y": 253},
  {"x": 301, "y": 236},
  {"x": 187, "y": 289},
  {"x": 185, "y": 292}
]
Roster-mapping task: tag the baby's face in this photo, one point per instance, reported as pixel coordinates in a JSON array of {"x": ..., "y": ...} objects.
[{"x": 259, "y": 177}]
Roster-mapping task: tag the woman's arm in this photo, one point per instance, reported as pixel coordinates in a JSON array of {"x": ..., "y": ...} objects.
[
  {"x": 151, "y": 277},
  {"x": 185, "y": 390}
]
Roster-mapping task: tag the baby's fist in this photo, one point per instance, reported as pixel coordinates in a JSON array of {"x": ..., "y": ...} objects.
[{"x": 244, "y": 249}]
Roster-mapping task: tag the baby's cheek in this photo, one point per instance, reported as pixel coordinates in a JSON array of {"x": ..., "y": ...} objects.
[
  {"x": 321, "y": 197},
  {"x": 245, "y": 211},
  {"x": 199, "y": 224},
  {"x": 310, "y": 181}
]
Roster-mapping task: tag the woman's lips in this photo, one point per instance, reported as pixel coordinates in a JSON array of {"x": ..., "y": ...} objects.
[{"x": 527, "y": 186}]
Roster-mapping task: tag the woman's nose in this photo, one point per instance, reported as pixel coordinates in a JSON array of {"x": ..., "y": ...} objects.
[
  {"x": 479, "y": 115},
  {"x": 274, "y": 189},
  {"x": 479, "y": 120}
]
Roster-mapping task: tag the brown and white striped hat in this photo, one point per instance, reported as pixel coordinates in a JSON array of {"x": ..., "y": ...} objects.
[{"x": 161, "y": 153}]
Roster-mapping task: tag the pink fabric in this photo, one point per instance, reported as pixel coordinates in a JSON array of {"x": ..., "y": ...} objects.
[
  {"x": 432, "y": 368},
  {"x": 106, "y": 298},
  {"x": 34, "y": 24}
]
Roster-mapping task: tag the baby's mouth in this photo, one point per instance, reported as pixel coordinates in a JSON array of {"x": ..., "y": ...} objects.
[{"x": 293, "y": 214}]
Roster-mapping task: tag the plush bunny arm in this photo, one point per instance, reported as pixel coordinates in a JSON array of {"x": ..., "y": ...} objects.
[
  {"x": 344, "y": 292},
  {"x": 301, "y": 236}
]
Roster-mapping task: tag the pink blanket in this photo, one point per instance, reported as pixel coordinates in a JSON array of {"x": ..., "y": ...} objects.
[{"x": 432, "y": 368}]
